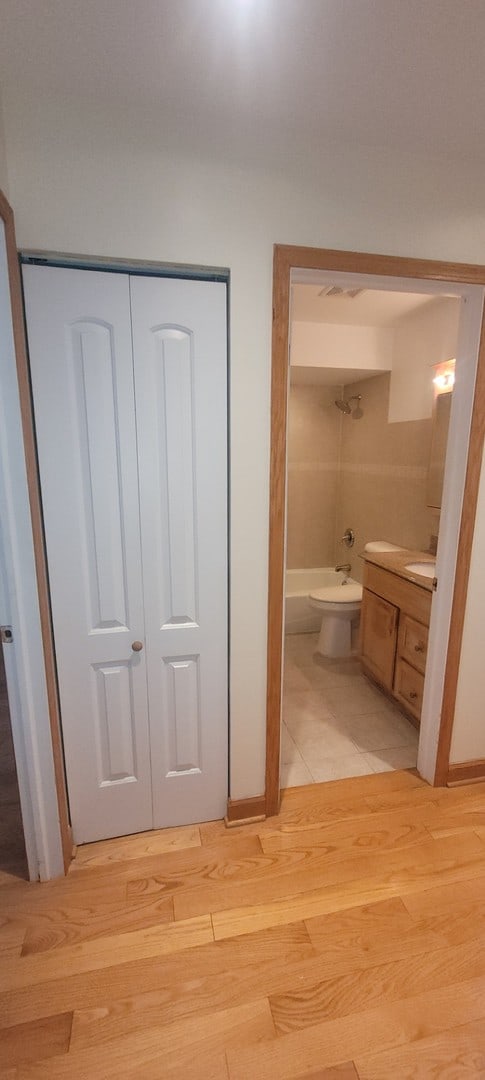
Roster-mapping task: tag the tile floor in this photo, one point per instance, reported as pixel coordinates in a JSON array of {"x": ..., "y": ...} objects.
[{"x": 336, "y": 723}]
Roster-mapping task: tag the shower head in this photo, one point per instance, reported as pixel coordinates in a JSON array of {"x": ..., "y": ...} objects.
[{"x": 344, "y": 406}]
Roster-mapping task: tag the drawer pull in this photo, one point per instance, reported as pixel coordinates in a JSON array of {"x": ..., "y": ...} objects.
[
  {"x": 412, "y": 694},
  {"x": 419, "y": 647}
]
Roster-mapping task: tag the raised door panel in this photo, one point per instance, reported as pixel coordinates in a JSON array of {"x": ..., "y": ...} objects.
[
  {"x": 179, "y": 341},
  {"x": 379, "y": 637},
  {"x": 82, "y": 375}
]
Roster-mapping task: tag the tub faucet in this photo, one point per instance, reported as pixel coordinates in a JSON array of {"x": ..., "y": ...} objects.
[{"x": 343, "y": 566}]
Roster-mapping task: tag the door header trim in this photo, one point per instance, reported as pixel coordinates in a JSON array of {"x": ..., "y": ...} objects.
[{"x": 140, "y": 267}]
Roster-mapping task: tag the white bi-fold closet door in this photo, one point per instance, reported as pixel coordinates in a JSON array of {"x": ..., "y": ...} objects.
[{"x": 130, "y": 400}]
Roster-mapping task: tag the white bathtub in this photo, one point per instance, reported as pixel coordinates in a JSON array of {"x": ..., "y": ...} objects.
[{"x": 300, "y": 618}]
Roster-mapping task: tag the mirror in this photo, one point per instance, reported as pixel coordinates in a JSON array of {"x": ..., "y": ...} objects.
[{"x": 439, "y": 439}]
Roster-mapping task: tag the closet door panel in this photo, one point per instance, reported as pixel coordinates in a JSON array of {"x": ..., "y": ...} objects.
[
  {"x": 79, "y": 334},
  {"x": 179, "y": 342}
]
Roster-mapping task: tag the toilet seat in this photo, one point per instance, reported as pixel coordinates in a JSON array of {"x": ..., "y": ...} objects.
[
  {"x": 350, "y": 592},
  {"x": 339, "y": 606}
]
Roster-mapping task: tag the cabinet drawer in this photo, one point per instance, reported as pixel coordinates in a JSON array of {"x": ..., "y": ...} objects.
[
  {"x": 409, "y": 687},
  {"x": 413, "y": 642}
]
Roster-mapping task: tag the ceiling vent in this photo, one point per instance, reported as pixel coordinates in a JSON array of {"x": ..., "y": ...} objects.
[{"x": 337, "y": 291}]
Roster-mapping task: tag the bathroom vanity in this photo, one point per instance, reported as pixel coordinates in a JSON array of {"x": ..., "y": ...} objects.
[{"x": 395, "y": 614}]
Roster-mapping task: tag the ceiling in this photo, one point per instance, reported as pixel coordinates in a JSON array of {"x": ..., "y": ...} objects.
[
  {"x": 278, "y": 79},
  {"x": 371, "y": 307}
]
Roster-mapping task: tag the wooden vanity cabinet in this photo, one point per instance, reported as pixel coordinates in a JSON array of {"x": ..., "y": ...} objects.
[
  {"x": 394, "y": 635},
  {"x": 412, "y": 647},
  {"x": 379, "y": 621}
]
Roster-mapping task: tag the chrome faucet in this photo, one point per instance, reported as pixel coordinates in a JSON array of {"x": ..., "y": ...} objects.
[{"x": 343, "y": 566}]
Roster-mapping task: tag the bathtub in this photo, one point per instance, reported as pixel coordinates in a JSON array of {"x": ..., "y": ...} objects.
[{"x": 300, "y": 618}]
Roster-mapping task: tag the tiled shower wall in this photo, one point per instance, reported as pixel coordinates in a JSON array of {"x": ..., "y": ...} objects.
[
  {"x": 364, "y": 473},
  {"x": 382, "y": 480},
  {"x": 314, "y": 425}
]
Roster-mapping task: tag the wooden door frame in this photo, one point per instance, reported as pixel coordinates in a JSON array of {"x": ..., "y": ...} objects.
[
  {"x": 6, "y": 213},
  {"x": 286, "y": 259}
]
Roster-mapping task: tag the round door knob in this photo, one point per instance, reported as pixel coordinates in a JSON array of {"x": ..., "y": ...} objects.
[
  {"x": 419, "y": 647},
  {"x": 137, "y": 646}
]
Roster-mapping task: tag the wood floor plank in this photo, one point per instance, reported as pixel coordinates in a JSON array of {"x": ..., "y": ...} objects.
[
  {"x": 96, "y": 886},
  {"x": 233, "y": 845},
  {"x": 89, "y": 956},
  {"x": 354, "y": 788},
  {"x": 288, "y": 873},
  {"x": 116, "y": 904},
  {"x": 447, "y": 818},
  {"x": 19, "y": 900},
  {"x": 458, "y": 1053},
  {"x": 206, "y": 1067},
  {"x": 352, "y": 837},
  {"x": 343, "y": 885},
  {"x": 444, "y": 798},
  {"x": 456, "y": 830},
  {"x": 216, "y": 832},
  {"x": 171, "y": 978},
  {"x": 137, "y": 846},
  {"x": 314, "y": 1001},
  {"x": 236, "y": 860},
  {"x": 233, "y": 976},
  {"x": 309, "y": 806},
  {"x": 345, "y": 1071},
  {"x": 457, "y": 914},
  {"x": 240, "y": 985},
  {"x": 77, "y": 911},
  {"x": 371, "y": 930},
  {"x": 359, "y": 1034},
  {"x": 12, "y": 934},
  {"x": 151, "y": 1053},
  {"x": 200, "y": 892},
  {"x": 266, "y": 963},
  {"x": 358, "y": 915},
  {"x": 61, "y": 927},
  {"x": 38, "y": 1040}
]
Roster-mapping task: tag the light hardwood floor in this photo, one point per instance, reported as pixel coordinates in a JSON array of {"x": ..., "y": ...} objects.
[{"x": 344, "y": 939}]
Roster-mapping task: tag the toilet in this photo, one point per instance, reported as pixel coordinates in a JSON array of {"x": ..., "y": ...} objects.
[{"x": 339, "y": 606}]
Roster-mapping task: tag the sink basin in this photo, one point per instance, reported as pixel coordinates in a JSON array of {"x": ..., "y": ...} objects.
[{"x": 426, "y": 569}]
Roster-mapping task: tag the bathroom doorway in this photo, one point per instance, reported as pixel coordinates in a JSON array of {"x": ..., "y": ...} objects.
[
  {"x": 419, "y": 286},
  {"x": 359, "y": 486}
]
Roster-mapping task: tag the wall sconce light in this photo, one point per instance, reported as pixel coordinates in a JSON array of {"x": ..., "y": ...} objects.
[
  {"x": 444, "y": 376},
  {"x": 444, "y": 381}
]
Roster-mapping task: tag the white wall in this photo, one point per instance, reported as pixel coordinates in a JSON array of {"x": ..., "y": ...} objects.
[
  {"x": 84, "y": 181},
  {"x": 423, "y": 338},
  {"x": 468, "y": 740},
  {"x": 3, "y": 156},
  {"x": 337, "y": 346}
]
